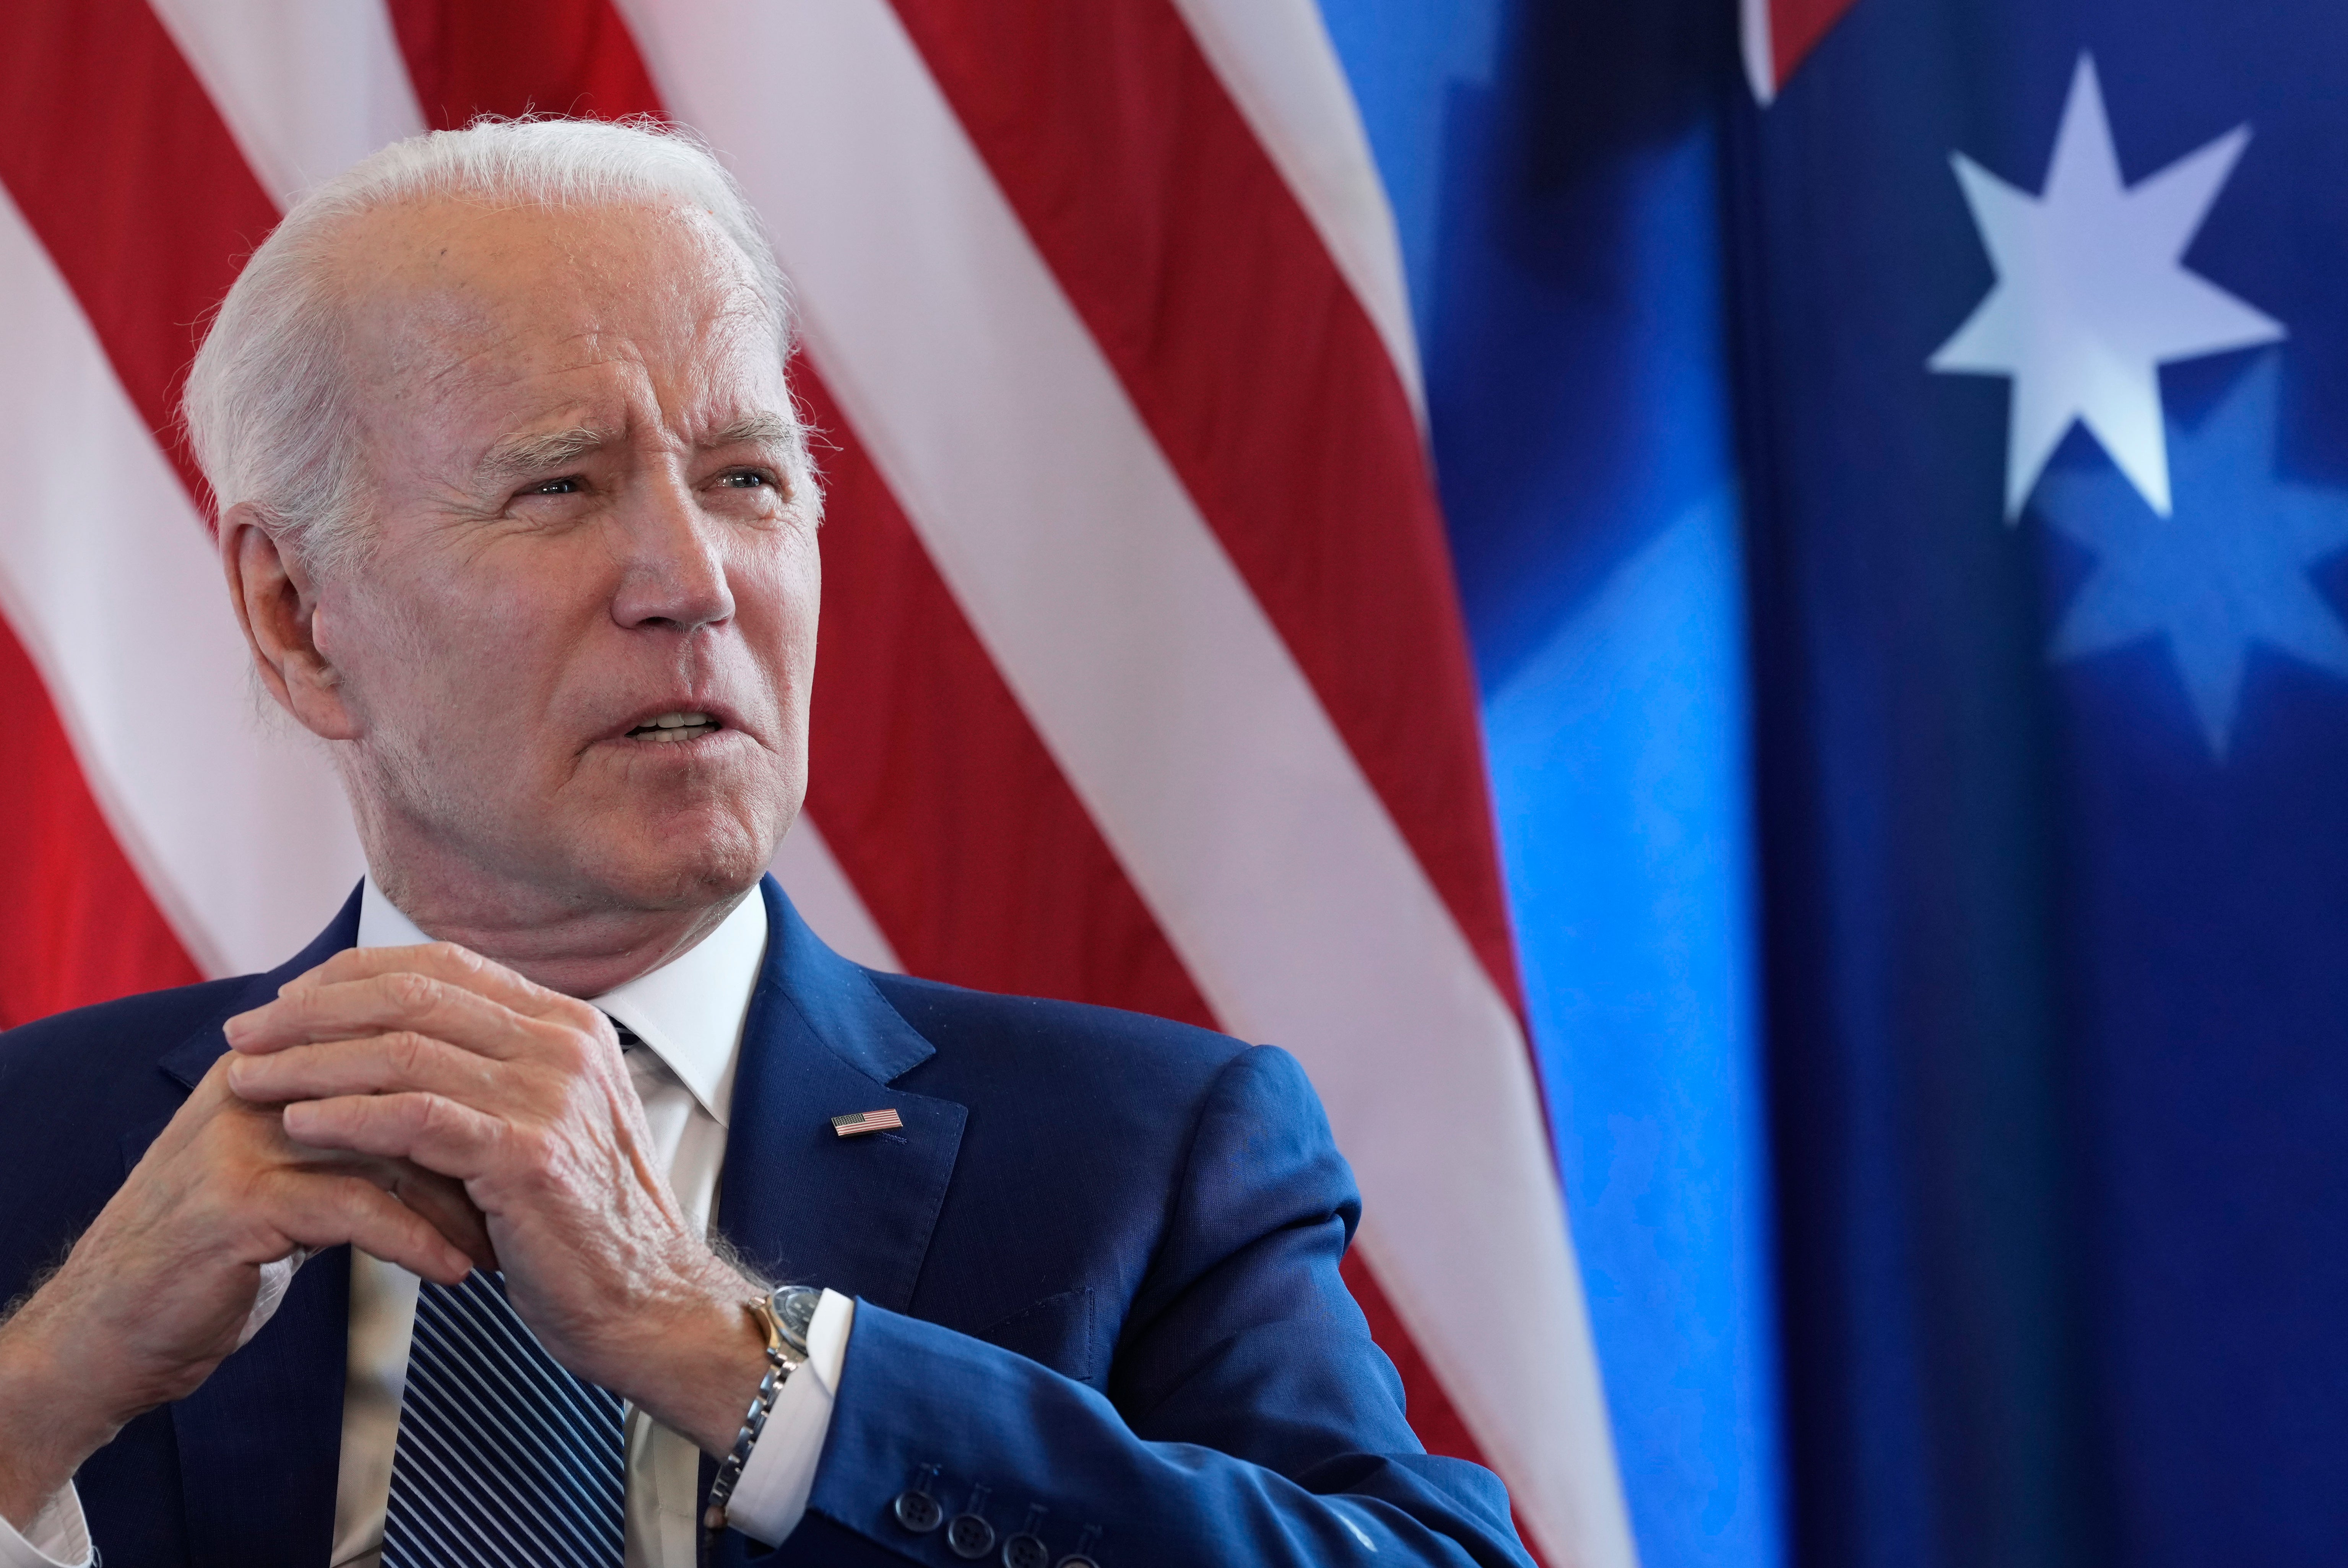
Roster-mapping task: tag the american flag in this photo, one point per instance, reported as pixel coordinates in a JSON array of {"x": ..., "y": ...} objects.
[{"x": 1143, "y": 679}]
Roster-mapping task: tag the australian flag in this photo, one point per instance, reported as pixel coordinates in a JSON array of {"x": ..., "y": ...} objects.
[{"x": 2042, "y": 310}]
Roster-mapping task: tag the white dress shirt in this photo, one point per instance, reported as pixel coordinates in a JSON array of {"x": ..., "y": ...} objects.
[{"x": 689, "y": 1015}]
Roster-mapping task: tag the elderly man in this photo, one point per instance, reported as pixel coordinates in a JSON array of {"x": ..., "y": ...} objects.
[{"x": 405, "y": 1252}]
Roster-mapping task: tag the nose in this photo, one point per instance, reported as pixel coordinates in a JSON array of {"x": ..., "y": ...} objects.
[{"x": 674, "y": 567}]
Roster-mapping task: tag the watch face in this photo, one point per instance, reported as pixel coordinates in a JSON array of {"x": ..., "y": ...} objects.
[{"x": 795, "y": 1310}]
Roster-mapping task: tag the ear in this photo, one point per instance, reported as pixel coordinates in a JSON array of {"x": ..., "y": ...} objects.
[{"x": 277, "y": 606}]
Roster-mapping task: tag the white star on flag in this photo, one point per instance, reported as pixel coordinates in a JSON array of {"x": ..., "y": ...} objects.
[
  {"x": 2228, "y": 574},
  {"x": 2093, "y": 297}
]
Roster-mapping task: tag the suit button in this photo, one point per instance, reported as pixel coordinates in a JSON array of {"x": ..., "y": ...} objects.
[
  {"x": 917, "y": 1512},
  {"x": 1073, "y": 1560},
  {"x": 970, "y": 1536},
  {"x": 1024, "y": 1551}
]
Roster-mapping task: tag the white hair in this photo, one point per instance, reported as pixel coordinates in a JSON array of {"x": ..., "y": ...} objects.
[{"x": 266, "y": 409}]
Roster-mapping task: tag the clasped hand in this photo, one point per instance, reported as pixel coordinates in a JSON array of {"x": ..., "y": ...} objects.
[
  {"x": 440, "y": 1059},
  {"x": 434, "y": 1109}
]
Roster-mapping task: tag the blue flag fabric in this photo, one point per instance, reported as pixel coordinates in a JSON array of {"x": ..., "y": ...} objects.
[
  {"x": 2044, "y": 372},
  {"x": 1555, "y": 176},
  {"x": 2027, "y": 565}
]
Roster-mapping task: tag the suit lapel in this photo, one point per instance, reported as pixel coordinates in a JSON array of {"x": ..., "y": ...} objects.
[
  {"x": 853, "y": 1214},
  {"x": 258, "y": 1442},
  {"x": 187, "y": 1062}
]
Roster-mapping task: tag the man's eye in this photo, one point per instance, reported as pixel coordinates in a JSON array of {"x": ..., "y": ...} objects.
[
  {"x": 747, "y": 478},
  {"x": 567, "y": 486}
]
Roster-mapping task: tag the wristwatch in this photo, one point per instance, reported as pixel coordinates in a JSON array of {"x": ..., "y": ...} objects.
[
  {"x": 783, "y": 1314},
  {"x": 788, "y": 1312}
]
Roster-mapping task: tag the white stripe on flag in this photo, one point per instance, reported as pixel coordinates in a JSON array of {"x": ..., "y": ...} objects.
[
  {"x": 1170, "y": 704},
  {"x": 111, "y": 581},
  {"x": 1759, "y": 49},
  {"x": 307, "y": 87}
]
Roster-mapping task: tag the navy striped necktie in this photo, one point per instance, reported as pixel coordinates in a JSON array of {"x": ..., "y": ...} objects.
[{"x": 504, "y": 1458}]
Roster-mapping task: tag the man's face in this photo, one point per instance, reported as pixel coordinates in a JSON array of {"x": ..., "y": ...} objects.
[{"x": 576, "y": 650}]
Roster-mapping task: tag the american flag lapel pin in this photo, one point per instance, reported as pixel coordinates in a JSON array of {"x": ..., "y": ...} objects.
[{"x": 856, "y": 1123}]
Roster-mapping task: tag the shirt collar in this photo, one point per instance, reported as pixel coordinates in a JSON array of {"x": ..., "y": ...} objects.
[{"x": 689, "y": 1012}]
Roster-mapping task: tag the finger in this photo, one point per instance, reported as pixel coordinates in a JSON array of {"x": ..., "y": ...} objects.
[
  {"x": 381, "y": 1003},
  {"x": 442, "y": 1202},
  {"x": 384, "y": 1064},
  {"x": 317, "y": 1209},
  {"x": 211, "y": 1112},
  {"x": 435, "y": 1132},
  {"x": 439, "y": 1199},
  {"x": 447, "y": 961}
]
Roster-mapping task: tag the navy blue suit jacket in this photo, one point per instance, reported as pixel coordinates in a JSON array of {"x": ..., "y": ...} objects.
[{"x": 1097, "y": 1275}]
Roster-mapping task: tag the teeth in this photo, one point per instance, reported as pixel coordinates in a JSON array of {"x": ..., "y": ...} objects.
[{"x": 672, "y": 726}]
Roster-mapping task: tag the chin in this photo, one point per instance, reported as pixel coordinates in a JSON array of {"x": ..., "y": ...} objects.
[{"x": 677, "y": 864}]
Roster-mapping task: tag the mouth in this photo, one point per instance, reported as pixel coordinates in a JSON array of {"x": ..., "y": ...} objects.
[{"x": 675, "y": 728}]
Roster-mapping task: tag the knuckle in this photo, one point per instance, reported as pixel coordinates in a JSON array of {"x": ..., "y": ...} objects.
[
  {"x": 576, "y": 1051},
  {"x": 411, "y": 991},
  {"x": 435, "y": 1116},
  {"x": 530, "y": 1149},
  {"x": 566, "y": 1050},
  {"x": 348, "y": 1197},
  {"x": 407, "y": 1051}
]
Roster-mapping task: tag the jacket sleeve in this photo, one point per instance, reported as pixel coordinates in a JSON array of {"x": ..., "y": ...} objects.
[{"x": 1247, "y": 1418}]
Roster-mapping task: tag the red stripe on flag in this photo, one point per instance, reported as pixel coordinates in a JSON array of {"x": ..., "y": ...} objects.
[
  {"x": 1264, "y": 381},
  {"x": 1795, "y": 28},
  {"x": 122, "y": 166},
  {"x": 555, "y": 57},
  {"x": 75, "y": 924},
  {"x": 935, "y": 793}
]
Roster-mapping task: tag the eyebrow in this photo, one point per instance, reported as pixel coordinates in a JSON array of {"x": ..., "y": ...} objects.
[
  {"x": 760, "y": 429},
  {"x": 523, "y": 456}
]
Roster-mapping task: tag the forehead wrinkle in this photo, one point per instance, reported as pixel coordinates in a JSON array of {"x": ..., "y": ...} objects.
[
  {"x": 506, "y": 358},
  {"x": 442, "y": 323}
]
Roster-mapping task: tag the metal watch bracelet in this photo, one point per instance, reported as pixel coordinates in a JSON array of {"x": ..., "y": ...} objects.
[{"x": 783, "y": 1315}]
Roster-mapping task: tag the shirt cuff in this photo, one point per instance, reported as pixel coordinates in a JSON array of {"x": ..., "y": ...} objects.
[
  {"x": 772, "y": 1493},
  {"x": 58, "y": 1536}
]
